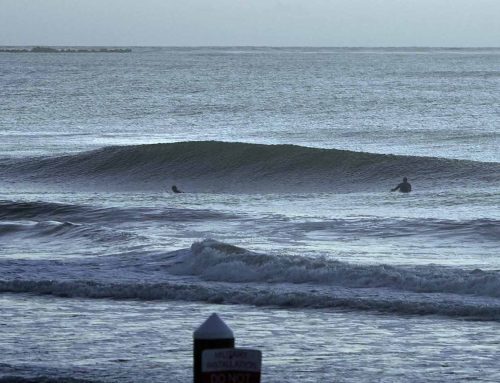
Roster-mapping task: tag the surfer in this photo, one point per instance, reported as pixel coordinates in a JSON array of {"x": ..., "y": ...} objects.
[
  {"x": 175, "y": 190},
  {"x": 404, "y": 187}
]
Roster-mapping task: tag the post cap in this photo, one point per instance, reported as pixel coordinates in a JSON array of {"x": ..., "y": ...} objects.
[{"x": 213, "y": 328}]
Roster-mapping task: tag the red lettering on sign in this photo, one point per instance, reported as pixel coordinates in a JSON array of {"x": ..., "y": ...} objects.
[{"x": 231, "y": 377}]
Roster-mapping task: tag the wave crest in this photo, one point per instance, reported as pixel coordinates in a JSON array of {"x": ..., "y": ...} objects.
[
  {"x": 215, "y": 261},
  {"x": 217, "y": 272}
]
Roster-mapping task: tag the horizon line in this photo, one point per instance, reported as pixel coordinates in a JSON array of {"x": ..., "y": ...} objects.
[{"x": 262, "y": 46}]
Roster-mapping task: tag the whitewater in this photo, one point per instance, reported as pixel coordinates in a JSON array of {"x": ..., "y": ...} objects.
[{"x": 287, "y": 227}]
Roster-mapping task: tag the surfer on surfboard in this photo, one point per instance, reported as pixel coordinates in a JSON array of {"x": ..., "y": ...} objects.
[
  {"x": 175, "y": 190},
  {"x": 404, "y": 187}
]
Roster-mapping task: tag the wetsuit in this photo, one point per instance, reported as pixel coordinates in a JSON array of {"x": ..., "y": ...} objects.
[{"x": 404, "y": 187}]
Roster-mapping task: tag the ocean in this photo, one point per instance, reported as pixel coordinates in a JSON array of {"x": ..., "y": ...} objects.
[{"x": 286, "y": 228}]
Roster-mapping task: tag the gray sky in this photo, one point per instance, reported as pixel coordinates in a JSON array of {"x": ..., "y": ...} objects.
[{"x": 251, "y": 22}]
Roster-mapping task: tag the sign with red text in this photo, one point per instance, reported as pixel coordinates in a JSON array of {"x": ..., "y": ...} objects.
[{"x": 231, "y": 365}]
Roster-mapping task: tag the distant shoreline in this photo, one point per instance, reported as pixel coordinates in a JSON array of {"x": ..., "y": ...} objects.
[{"x": 66, "y": 50}]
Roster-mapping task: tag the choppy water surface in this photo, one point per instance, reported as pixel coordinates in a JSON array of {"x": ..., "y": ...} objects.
[
  {"x": 427, "y": 102},
  {"x": 287, "y": 227},
  {"x": 151, "y": 341}
]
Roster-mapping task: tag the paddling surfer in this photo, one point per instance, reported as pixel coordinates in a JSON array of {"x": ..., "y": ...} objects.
[
  {"x": 175, "y": 190},
  {"x": 404, "y": 187}
]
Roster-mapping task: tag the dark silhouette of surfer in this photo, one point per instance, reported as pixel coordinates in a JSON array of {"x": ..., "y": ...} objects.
[
  {"x": 404, "y": 187},
  {"x": 175, "y": 190}
]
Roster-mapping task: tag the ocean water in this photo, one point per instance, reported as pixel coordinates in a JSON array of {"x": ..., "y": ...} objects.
[{"x": 287, "y": 227}]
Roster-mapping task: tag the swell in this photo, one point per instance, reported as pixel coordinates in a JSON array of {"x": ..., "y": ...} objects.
[
  {"x": 287, "y": 298},
  {"x": 472, "y": 229},
  {"x": 36, "y": 220},
  {"x": 39, "y": 219},
  {"x": 42, "y": 210},
  {"x": 33, "y": 216},
  {"x": 229, "y": 166},
  {"x": 34, "y": 230}
]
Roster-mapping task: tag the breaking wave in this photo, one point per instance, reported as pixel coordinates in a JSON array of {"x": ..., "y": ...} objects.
[
  {"x": 216, "y": 261},
  {"x": 216, "y": 272}
]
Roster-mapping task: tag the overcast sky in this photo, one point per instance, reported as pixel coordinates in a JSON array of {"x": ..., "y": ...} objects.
[{"x": 251, "y": 22}]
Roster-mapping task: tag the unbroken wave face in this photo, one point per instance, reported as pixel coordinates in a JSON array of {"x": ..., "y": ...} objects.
[{"x": 211, "y": 166}]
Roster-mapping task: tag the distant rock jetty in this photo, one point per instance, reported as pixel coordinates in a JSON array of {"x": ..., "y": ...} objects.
[{"x": 66, "y": 50}]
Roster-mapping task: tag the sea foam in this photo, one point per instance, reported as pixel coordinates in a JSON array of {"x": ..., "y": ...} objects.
[
  {"x": 216, "y": 272},
  {"x": 215, "y": 261}
]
